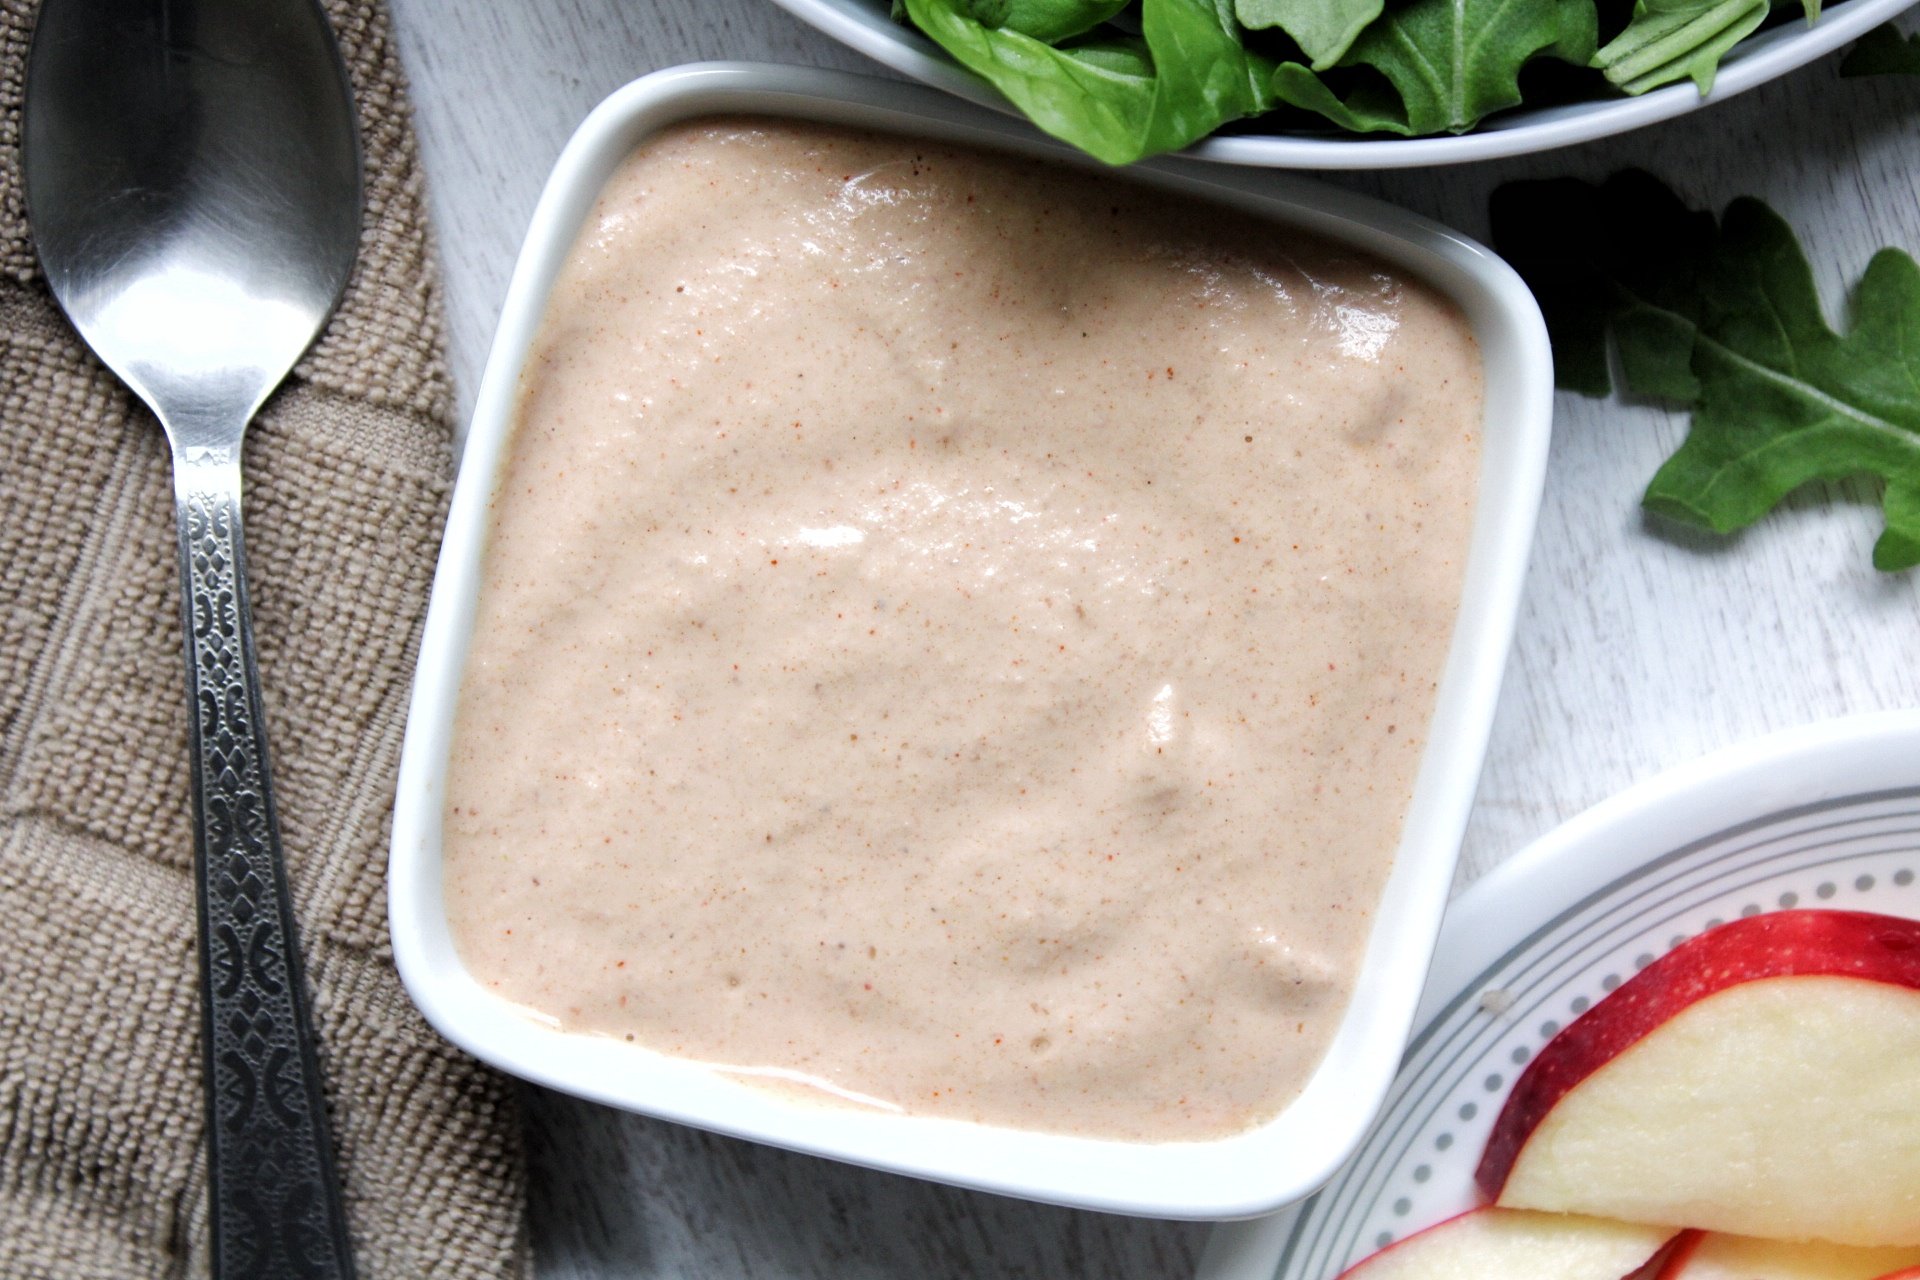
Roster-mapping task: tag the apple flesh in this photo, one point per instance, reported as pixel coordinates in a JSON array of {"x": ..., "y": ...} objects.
[
  {"x": 1762, "y": 1079},
  {"x": 1512, "y": 1244},
  {"x": 1714, "y": 1255}
]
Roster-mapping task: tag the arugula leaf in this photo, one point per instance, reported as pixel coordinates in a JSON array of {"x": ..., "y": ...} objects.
[
  {"x": 1672, "y": 40},
  {"x": 1626, "y": 256},
  {"x": 1118, "y": 100},
  {"x": 1784, "y": 400},
  {"x": 1779, "y": 399},
  {"x": 1324, "y": 29},
  {"x": 1883, "y": 51},
  {"x": 1449, "y": 62}
]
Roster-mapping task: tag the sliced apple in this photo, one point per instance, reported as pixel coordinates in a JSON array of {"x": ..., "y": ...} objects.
[
  {"x": 1512, "y": 1244},
  {"x": 1715, "y": 1255},
  {"x": 1761, "y": 1079}
]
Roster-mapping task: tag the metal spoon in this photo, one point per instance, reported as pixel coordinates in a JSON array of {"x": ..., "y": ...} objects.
[{"x": 192, "y": 177}]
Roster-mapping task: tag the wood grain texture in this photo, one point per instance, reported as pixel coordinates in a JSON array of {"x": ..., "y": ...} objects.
[{"x": 1640, "y": 645}]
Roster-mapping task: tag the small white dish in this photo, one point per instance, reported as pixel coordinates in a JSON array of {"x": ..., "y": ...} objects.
[
  {"x": 1246, "y": 1174},
  {"x": 1823, "y": 816},
  {"x": 865, "y": 25}
]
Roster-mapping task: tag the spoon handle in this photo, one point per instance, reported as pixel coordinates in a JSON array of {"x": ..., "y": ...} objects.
[{"x": 275, "y": 1197}]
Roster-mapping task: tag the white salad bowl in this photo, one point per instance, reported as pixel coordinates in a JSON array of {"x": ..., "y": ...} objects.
[
  {"x": 1249, "y": 1173},
  {"x": 864, "y": 25}
]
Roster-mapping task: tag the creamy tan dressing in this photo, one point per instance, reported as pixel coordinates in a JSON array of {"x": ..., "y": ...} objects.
[{"x": 957, "y": 633}]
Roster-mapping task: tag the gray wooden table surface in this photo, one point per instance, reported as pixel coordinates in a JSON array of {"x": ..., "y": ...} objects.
[{"x": 1639, "y": 646}]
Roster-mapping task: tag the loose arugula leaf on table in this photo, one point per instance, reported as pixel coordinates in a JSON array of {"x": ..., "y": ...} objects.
[
  {"x": 1448, "y": 63},
  {"x": 1324, "y": 29},
  {"x": 1883, "y": 51},
  {"x": 1116, "y": 99},
  {"x": 1779, "y": 399},
  {"x": 1671, "y": 40},
  {"x": 1626, "y": 256}
]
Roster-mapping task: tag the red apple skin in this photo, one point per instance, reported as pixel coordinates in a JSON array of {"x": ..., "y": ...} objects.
[
  {"x": 1781, "y": 944},
  {"x": 1674, "y": 1259}
]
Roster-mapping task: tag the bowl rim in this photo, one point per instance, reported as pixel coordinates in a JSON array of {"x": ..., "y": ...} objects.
[
  {"x": 1242, "y": 1175},
  {"x": 864, "y": 25}
]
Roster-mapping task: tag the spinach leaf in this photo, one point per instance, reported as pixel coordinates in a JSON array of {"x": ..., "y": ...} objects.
[
  {"x": 1324, "y": 29},
  {"x": 1121, "y": 99},
  {"x": 1671, "y": 40},
  {"x": 1778, "y": 398},
  {"x": 1883, "y": 51},
  {"x": 1047, "y": 20},
  {"x": 1408, "y": 67},
  {"x": 1448, "y": 62}
]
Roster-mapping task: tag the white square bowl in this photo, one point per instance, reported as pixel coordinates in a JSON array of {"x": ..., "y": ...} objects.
[{"x": 1249, "y": 1173}]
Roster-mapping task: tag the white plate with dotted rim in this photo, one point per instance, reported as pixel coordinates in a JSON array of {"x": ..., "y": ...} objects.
[{"x": 1824, "y": 816}]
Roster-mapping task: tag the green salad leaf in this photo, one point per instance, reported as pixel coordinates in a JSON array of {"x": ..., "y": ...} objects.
[
  {"x": 1671, "y": 40},
  {"x": 1048, "y": 20},
  {"x": 1625, "y": 257},
  {"x": 1724, "y": 318},
  {"x": 1169, "y": 72},
  {"x": 1883, "y": 51},
  {"x": 1446, "y": 63},
  {"x": 1122, "y": 98},
  {"x": 1324, "y": 29}
]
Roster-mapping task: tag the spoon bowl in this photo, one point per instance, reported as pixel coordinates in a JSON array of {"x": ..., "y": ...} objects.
[{"x": 192, "y": 179}]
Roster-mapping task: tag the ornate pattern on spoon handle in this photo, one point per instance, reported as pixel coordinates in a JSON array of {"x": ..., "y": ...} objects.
[{"x": 276, "y": 1209}]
